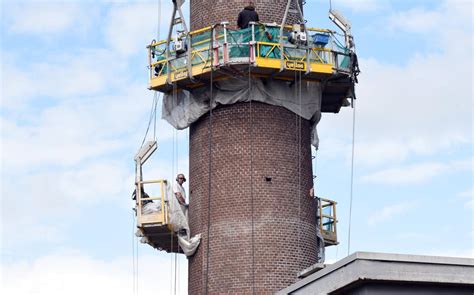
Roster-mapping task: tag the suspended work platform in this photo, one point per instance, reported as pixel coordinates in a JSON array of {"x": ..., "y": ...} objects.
[
  {"x": 257, "y": 50},
  {"x": 153, "y": 218},
  {"x": 327, "y": 221}
]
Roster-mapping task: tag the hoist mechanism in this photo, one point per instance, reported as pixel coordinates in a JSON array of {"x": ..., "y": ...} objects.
[
  {"x": 339, "y": 20},
  {"x": 298, "y": 36},
  {"x": 180, "y": 39}
]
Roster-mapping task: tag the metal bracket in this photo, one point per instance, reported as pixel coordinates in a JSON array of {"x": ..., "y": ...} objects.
[
  {"x": 175, "y": 20},
  {"x": 300, "y": 16}
]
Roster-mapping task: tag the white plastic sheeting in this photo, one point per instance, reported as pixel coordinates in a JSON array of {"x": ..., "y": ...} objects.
[
  {"x": 189, "y": 245},
  {"x": 319, "y": 237},
  {"x": 179, "y": 221},
  {"x": 151, "y": 208},
  {"x": 176, "y": 213},
  {"x": 186, "y": 107}
]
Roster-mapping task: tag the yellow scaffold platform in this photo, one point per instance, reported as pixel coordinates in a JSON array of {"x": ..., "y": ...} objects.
[
  {"x": 229, "y": 53},
  {"x": 327, "y": 221},
  {"x": 153, "y": 218}
]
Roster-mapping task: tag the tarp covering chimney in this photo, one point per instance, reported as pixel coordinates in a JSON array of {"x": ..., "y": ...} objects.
[
  {"x": 179, "y": 221},
  {"x": 183, "y": 108}
]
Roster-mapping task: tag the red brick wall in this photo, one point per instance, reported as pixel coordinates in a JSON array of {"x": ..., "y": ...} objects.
[
  {"x": 208, "y": 12},
  {"x": 284, "y": 229}
]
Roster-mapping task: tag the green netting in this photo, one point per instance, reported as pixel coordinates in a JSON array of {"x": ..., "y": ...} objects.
[
  {"x": 235, "y": 39},
  {"x": 270, "y": 35},
  {"x": 345, "y": 62},
  {"x": 201, "y": 40}
]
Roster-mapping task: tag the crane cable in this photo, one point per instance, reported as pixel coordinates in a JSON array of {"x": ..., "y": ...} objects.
[
  {"x": 133, "y": 251},
  {"x": 251, "y": 178},
  {"x": 352, "y": 175},
  {"x": 152, "y": 118},
  {"x": 174, "y": 164},
  {"x": 299, "y": 126},
  {"x": 211, "y": 101}
]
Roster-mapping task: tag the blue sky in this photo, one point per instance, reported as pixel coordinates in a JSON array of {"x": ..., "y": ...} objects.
[{"x": 75, "y": 106}]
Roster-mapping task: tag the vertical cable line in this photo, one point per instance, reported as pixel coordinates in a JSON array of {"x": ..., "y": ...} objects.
[
  {"x": 175, "y": 259},
  {"x": 136, "y": 248},
  {"x": 152, "y": 115},
  {"x": 210, "y": 173},
  {"x": 251, "y": 180},
  {"x": 352, "y": 176},
  {"x": 299, "y": 164},
  {"x": 300, "y": 150},
  {"x": 173, "y": 172},
  {"x": 133, "y": 250},
  {"x": 158, "y": 27}
]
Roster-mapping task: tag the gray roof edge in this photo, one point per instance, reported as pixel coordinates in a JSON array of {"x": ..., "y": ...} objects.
[
  {"x": 374, "y": 256},
  {"x": 328, "y": 269},
  {"x": 415, "y": 258}
]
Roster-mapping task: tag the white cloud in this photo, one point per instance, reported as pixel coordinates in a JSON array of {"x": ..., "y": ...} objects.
[
  {"x": 45, "y": 18},
  {"x": 415, "y": 20},
  {"x": 416, "y": 173},
  {"x": 78, "y": 129},
  {"x": 65, "y": 76},
  {"x": 420, "y": 106},
  {"x": 51, "y": 193},
  {"x": 130, "y": 27},
  {"x": 389, "y": 212},
  {"x": 467, "y": 193},
  {"x": 467, "y": 197},
  {"x": 360, "y": 5},
  {"x": 76, "y": 273}
]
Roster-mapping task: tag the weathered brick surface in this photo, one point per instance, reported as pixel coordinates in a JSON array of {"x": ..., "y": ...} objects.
[
  {"x": 208, "y": 12},
  {"x": 283, "y": 221},
  {"x": 275, "y": 143}
]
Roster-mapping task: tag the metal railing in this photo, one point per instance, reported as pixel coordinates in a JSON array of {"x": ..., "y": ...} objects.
[
  {"x": 328, "y": 220},
  {"x": 218, "y": 45},
  {"x": 160, "y": 217}
]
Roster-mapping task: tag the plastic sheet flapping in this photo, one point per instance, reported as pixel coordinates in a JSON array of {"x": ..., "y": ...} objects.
[
  {"x": 179, "y": 221},
  {"x": 320, "y": 246},
  {"x": 319, "y": 237},
  {"x": 151, "y": 208},
  {"x": 186, "y": 107}
]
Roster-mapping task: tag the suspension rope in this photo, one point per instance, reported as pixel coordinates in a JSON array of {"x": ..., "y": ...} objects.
[
  {"x": 133, "y": 250},
  {"x": 251, "y": 179},
  {"x": 299, "y": 163},
  {"x": 152, "y": 117},
  {"x": 174, "y": 172},
  {"x": 154, "y": 125},
  {"x": 352, "y": 175},
  {"x": 158, "y": 27},
  {"x": 175, "y": 276},
  {"x": 179, "y": 275},
  {"x": 210, "y": 174},
  {"x": 136, "y": 268}
]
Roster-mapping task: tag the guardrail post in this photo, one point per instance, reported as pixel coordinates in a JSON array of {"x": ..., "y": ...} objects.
[
  {"x": 225, "y": 46},
  {"x": 252, "y": 45},
  {"x": 215, "y": 47}
]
